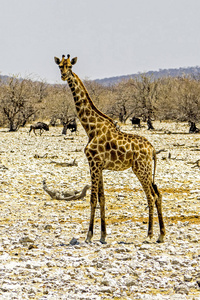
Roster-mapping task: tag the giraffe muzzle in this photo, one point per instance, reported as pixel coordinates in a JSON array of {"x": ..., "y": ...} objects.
[{"x": 64, "y": 77}]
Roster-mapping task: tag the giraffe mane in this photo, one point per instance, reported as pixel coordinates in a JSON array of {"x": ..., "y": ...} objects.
[{"x": 91, "y": 102}]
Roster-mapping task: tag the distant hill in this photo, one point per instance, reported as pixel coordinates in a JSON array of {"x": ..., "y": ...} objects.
[
  {"x": 4, "y": 78},
  {"x": 190, "y": 71}
]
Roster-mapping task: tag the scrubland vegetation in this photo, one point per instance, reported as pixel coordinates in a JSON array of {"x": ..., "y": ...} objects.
[{"x": 169, "y": 98}]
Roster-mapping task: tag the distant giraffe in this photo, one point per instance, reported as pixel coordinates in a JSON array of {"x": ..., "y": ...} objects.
[{"x": 109, "y": 148}]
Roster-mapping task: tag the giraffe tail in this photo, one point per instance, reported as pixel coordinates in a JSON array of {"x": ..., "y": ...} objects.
[{"x": 154, "y": 169}]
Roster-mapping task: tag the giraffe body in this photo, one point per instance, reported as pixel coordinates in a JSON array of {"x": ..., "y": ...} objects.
[{"x": 110, "y": 149}]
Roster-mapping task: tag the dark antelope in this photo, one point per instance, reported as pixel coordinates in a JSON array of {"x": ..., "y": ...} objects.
[{"x": 39, "y": 125}]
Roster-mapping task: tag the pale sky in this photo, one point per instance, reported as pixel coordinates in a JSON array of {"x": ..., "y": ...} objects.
[{"x": 109, "y": 37}]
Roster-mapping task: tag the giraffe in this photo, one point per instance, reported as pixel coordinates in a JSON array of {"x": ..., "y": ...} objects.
[{"x": 108, "y": 148}]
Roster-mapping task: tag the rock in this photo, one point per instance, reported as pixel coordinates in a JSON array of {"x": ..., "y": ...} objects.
[
  {"x": 106, "y": 289},
  {"x": 51, "y": 264},
  {"x": 48, "y": 227},
  {"x": 25, "y": 240},
  {"x": 187, "y": 278},
  {"x": 131, "y": 282},
  {"x": 74, "y": 241},
  {"x": 181, "y": 289}
]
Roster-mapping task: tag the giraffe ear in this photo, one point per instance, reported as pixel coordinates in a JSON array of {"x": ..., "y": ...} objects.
[
  {"x": 74, "y": 60},
  {"x": 57, "y": 60}
]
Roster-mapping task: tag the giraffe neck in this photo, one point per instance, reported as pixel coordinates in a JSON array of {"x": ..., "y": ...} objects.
[{"x": 90, "y": 117}]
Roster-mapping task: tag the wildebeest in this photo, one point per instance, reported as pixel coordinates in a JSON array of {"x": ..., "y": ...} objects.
[
  {"x": 135, "y": 121},
  {"x": 71, "y": 125},
  {"x": 39, "y": 125},
  {"x": 193, "y": 128},
  {"x": 149, "y": 123}
]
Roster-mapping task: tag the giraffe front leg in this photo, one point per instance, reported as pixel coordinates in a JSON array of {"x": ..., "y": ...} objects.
[
  {"x": 93, "y": 203},
  {"x": 101, "y": 198}
]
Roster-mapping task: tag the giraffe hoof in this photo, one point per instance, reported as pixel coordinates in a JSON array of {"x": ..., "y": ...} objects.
[
  {"x": 89, "y": 236},
  {"x": 147, "y": 241},
  {"x": 150, "y": 236},
  {"x": 160, "y": 239},
  {"x": 103, "y": 241}
]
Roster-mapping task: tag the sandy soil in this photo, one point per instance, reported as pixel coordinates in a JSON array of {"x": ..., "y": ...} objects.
[{"x": 42, "y": 251}]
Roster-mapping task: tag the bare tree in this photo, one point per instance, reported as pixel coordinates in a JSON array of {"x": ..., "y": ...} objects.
[
  {"x": 15, "y": 102},
  {"x": 59, "y": 105},
  {"x": 145, "y": 95},
  {"x": 101, "y": 95},
  {"x": 125, "y": 104},
  {"x": 188, "y": 99}
]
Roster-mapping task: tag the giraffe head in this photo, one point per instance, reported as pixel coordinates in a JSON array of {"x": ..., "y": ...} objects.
[{"x": 65, "y": 65}]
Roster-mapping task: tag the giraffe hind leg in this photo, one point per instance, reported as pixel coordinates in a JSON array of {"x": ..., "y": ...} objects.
[
  {"x": 158, "y": 204},
  {"x": 153, "y": 197},
  {"x": 150, "y": 200},
  {"x": 145, "y": 179},
  {"x": 150, "y": 195}
]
